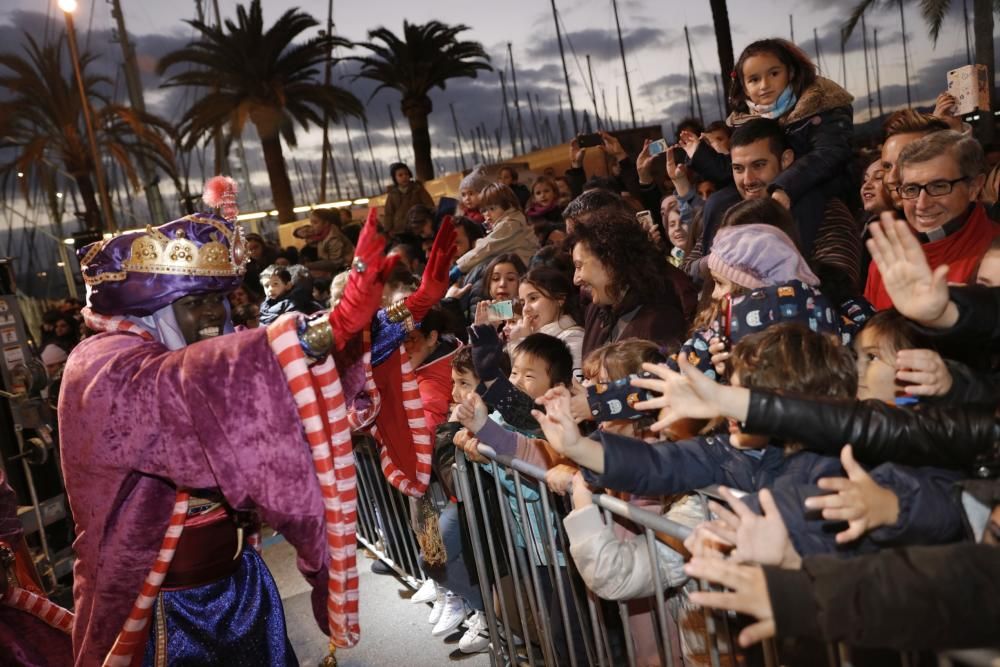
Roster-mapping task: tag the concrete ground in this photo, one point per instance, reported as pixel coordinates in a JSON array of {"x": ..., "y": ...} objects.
[{"x": 394, "y": 631}]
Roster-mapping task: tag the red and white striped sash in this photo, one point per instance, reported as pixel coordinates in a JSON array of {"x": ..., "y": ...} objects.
[{"x": 40, "y": 607}]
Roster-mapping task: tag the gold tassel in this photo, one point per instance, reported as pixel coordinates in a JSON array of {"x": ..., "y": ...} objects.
[
  {"x": 331, "y": 659},
  {"x": 429, "y": 535}
]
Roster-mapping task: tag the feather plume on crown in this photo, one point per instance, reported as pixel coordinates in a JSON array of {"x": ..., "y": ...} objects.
[{"x": 220, "y": 192}]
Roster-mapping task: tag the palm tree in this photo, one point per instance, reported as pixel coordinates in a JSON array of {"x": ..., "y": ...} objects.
[
  {"x": 427, "y": 57},
  {"x": 254, "y": 74},
  {"x": 723, "y": 43},
  {"x": 44, "y": 125},
  {"x": 934, "y": 12}
]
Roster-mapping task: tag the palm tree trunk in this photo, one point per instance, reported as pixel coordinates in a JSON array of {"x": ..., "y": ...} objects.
[
  {"x": 723, "y": 42},
  {"x": 417, "y": 114},
  {"x": 982, "y": 13},
  {"x": 277, "y": 173},
  {"x": 91, "y": 211}
]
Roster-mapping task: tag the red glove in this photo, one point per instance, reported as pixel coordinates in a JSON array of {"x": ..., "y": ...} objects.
[
  {"x": 434, "y": 283},
  {"x": 363, "y": 292}
]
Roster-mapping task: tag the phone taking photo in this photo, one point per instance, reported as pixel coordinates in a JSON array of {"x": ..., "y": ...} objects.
[
  {"x": 589, "y": 140},
  {"x": 657, "y": 147},
  {"x": 501, "y": 311}
]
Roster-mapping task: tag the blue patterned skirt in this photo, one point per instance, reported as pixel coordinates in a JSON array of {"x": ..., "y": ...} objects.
[{"x": 233, "y": 622}]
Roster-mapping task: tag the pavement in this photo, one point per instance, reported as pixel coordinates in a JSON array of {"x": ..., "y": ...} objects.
[{"x": 394, "y": 631}]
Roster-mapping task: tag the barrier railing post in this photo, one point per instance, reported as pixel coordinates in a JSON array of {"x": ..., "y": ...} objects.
[{"x": 465, "y": 491}]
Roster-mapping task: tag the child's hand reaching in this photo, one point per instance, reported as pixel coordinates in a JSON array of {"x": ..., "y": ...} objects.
[
  {"x": 560, "y": 478},
  {"x": 472, "y": 413},
  {"x": 582, "y": 497},
  {"x": 758, "y": 539},
  {"x": 925, "y": 371},
  {"x": 482, "y": 312},
  {"x": 470, "y": 445},
  {"x": 858, "y": 500},
  {"x": 562, "y": 433}
]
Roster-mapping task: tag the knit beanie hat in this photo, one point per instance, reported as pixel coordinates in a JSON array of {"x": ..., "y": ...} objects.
[
  {"x": 475, "y": 180},
  {"x": 53, "y": 354},
  {"x": 753, "y": 256}
]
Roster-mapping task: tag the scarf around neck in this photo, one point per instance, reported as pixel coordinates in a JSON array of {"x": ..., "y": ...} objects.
[{"x": 785, "y": 103}]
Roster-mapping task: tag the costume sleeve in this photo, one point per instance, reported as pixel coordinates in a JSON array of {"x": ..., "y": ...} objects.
[
  {"x": 829, "y": 150},
  {"x": 637, "y": 467},
  {"x": 615, "y": 568},
  {"x": 917, "y": 598}
]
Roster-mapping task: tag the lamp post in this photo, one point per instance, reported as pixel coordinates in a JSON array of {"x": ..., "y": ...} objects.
[{"x": 68, "y": 7}]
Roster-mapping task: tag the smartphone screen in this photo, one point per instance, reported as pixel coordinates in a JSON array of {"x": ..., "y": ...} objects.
[
  {"x": 657, "y": 147},
  {"x": 501, "y": 311}
]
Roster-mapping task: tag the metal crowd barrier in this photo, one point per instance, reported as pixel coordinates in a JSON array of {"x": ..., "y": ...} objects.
[
  {"x": 550, "y": 618},
  {"x": 384, "y": 516},
  {"x": 604, "y": 637}
]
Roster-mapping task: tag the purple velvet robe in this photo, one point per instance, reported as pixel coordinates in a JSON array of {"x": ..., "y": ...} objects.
[
  {"x": 25, "y": 640},
  {"x": 138, "y": 422}
]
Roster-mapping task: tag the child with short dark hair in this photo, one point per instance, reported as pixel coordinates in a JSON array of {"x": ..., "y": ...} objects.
[
  {"x": 277, "y": 283},
  {"x": 509, "y": 231}
]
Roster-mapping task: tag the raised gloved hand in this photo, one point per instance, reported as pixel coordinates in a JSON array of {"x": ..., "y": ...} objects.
[
  {"x": 363, "y": 292},
  {"x": 435, "y": 282}
]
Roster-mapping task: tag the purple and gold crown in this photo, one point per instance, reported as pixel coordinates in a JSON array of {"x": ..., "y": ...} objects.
[{"x": 137, "y": 273}]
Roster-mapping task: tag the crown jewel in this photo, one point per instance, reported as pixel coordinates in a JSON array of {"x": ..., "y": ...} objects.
[{"x": 153, "y": 251}]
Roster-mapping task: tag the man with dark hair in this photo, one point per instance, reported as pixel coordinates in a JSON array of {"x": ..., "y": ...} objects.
[
  {"x": 579, "y": 210},
  {"x": 828, "y": 234}
]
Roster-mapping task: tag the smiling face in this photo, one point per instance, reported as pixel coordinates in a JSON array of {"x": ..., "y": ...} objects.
[
  {"x": 504, "y": 281},
  {"x": 201, "y": 316},
  {"x": 755, "y": 166},
  {"x": 890, "y": 154},
  {"x": 926, "y": 212},
  {"x": 764, "y": 78},
  {"x": 544, "y": 195},
  {"x": 676, "y": 231},
  {"x": 539, "y": 308},
  {"x": 530, "y": 374},
  {"x": 591, "y": 275},
  {"x": 873, "y": 194}
]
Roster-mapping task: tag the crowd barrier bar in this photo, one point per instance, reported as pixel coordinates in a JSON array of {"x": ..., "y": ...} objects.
[{"x": 385, "y": 527}]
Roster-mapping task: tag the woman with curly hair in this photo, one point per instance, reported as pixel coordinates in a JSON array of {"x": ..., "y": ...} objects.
[{"x": 623, "y": 284}]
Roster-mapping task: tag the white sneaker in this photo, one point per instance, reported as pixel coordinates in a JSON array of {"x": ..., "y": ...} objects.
[
  {"x": 426, "y": 593},
  {"x": 452, "y": 615},
  {"x": 476, "y": 639},
  {"x": 438, "y": 607}
]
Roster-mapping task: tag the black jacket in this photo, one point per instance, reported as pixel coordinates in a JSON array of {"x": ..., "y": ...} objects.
[
  {"x": 959, "y": 437},
  {"x": 923, "y": 598}
]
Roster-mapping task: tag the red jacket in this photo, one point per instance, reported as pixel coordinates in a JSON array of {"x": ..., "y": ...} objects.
[{"x": 961, "y": 251}]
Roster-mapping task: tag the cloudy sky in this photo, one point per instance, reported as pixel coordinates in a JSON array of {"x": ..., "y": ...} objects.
[{"x": 654, "y": 40}]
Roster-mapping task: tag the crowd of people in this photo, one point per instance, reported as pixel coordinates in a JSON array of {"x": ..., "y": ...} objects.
[{"x": 811, "y": 326}]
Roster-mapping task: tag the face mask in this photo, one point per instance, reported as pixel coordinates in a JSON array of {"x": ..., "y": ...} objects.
[{"x": 785, "y": 102}]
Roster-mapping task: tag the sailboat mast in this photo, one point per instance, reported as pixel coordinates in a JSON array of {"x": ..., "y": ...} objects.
[
  {"x": 878, "y": 76},
  {"x": 593, "y": 94},
  {"x": 562, "y": 56},
  {"x": 517, "y": 100},
  {"x": 506, "y": 113},
  {"x": 906, "y": 58},
  {"x": 868, "y": 78},
  {"x": 621, "y": 49},
  {"x": 458, "y": 135},
  {"x": 694, "y": 76},
  {"x": 327, "y": 155}
]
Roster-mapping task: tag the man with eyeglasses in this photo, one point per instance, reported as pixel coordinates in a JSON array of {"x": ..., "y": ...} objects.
[{"x": 941, "y": 177}]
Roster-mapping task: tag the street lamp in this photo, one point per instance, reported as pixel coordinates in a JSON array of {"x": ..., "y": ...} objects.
[{"x": 68, "y": 7}]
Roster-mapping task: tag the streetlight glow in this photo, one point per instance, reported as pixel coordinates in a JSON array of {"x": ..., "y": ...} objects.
[{"x": 68, "y": 6}]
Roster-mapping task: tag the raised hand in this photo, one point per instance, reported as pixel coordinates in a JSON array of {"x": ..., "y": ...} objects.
[
  {"x": 758, "y": 539},
  {"x": 472, "y": 413},
  {"x": 748, "y": 594},
  {"x": 644, "y": 164},
  {"x": 925, "y": 371},
  {"x": 557, "y": 421},
  {"x": 858, "y": 500},
  {"x": 612, "y": 146},
  {"x": 576, "y": 153},
  {"x": 916, "y": 291},
  {"x": 363, "y": 293},
  {"x": 689, "y": 141}
]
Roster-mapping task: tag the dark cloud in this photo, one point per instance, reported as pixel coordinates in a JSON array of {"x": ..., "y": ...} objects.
[{"x": 601, "y": 44}]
